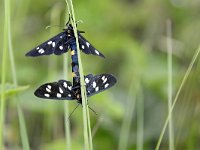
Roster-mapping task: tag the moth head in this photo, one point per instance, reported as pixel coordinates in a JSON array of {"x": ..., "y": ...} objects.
[{"x": 69, "y": 27}]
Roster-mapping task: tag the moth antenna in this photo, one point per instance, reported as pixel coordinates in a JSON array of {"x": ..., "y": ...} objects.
[
  {"x": 72, "y": 112},
  {"x": 47, "y": 27},
  {"x": 92, "y": 110},
  {"x": 68, "y": 20}
]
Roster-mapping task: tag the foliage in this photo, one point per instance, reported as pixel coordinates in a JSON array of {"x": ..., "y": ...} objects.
[{"x": 132, "y": 35}]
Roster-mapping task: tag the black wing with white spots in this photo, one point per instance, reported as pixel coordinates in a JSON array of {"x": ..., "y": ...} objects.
[
  {"x": 87, "y": 48},
  {"x": 99, "y": 83},
  {"x": 58, "y": 45},
  {"x": 88, "y": 78},
  {"x": 61, "y": 90}
]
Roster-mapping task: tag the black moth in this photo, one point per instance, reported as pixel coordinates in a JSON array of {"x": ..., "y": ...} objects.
[
  {"x": 62, "y": 42},
  {"x": 64, "y": 90}
]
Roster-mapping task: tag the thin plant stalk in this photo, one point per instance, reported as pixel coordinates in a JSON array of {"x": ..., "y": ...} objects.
[
  {"x": 66, "y": 107},
  {"x": 86, "y": 117},
  {"x": 176, "y": 97},
  {"x": 126, "y": 124},
  {"x": 22, "y": 125},
  {"x": 66, "y": 110},
  {"x": 67, "y": 126},
  {"x": 169, "y": 56},
  {"x": 23, "y": 132},
  {"x": 140, "y": 120},
  {"x": 89, "y": 129},
  {"x": 3, "y": 72}
]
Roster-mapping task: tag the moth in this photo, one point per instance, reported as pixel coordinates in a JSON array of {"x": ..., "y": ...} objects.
[
  {"x": 64, "y": 90},
  {"x": 62, "y": 42}
]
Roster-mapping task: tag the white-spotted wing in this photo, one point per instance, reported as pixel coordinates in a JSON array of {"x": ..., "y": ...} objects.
[
  {"x": 99, "y": 83},
  {"x": 87, "y": 48},
  {"x": 58, "y": 45},
  {"x": 61, "y": 90}
]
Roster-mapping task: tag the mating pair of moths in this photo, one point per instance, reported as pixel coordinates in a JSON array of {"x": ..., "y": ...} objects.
[{"x": 65, "y": 90}]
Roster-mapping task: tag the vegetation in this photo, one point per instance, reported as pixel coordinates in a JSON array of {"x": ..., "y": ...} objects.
[{"x": 140, "y": 39}]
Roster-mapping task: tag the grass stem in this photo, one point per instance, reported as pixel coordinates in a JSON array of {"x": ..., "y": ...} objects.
[
  {"x": 140, "y": 119},
  {"x": 66, "y": 110},
  {"x": 176, "y": 97},
  {"x": 66, "y": 107},
  {"x": 23, "y": 132},
  {"x": 169, "y": 50},
  {"x": 22, "y": 125},
  {"x": 3, "y": 77},
  {"x": 86, "y": 117}
]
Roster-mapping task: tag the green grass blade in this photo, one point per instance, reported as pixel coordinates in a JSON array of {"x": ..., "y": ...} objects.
[
  {"x": 176, "y": 97},
  {"x": 22, "y": 125},
  {"x": 23, "y": 132},
  {"x": 89, "y": 129},
  {"x": 66, "y": 107},
  {"x": 3, "y": 72},
  {"x": 140, "y": 119},
  {"x": 86, "y": 117},
  {"x": 66, "y": 110},
  {"x": 67, "y": 126},
  {"x": 169, "y": 56},
  {"x": 11, "y": 90}
]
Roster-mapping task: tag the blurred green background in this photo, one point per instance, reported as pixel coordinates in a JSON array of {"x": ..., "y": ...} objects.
[{"x": 132, "y": 34}]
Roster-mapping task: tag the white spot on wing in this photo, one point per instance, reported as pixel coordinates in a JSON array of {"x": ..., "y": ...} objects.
[
  {"x": 61, "y": 47},
  {"x": 103, "y": 78},
  {"x": 82, "y": 46},
  {"x": 53, "y": 44},
  {"x": 58, "y": 95},
  {"x": 87, "y": 80},
  {"x": 49, "y": 86},
  {"x": 49, "y": 42},
  {"x": 65, "y": 84},
  {"x": 41, "y": 51},
  {"x": 60, "y": 90},
  {"x": 48, "y": 90},
  {"x": 97, "y": 52},
  {"x": 106, "y": 85},
  {"x": 88, "y": 44},
  {"x": 69, "y": 95},
  {"x": 38, "y": 48},
  {"x": 97, "y": 88},
  {"x": 46, "y": 95},
  {"x": 94, "y": 84},
  {"x": 69, "y": 87},
  {"x": 104, "y": 81}
]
